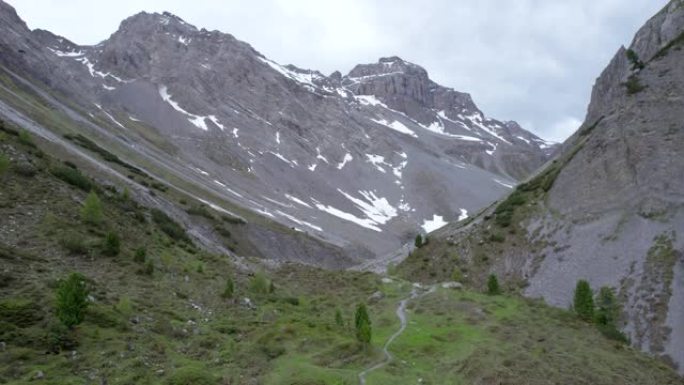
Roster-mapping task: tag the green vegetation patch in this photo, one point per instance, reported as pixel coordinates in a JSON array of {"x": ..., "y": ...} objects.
[
  {"x": 104, "y": 154},
  {"x": 169, "y": 226},
  {"x": 72, "y": 176}
]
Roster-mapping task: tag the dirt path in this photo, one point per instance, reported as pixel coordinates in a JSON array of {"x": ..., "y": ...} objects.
[{"x": 416, "y": 292}]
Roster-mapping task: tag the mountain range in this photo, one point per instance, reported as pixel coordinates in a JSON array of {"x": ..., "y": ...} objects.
[
  {"x": 218, "y": 161},
  {"x": 362, "y": 162}
]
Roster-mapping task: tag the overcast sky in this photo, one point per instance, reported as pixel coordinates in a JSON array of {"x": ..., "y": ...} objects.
[{"x": 533, "y": 61}]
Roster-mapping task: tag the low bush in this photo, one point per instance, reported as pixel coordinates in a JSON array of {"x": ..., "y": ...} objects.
[
  {"x": 200, "y": 211},
  {"x": 634, "y": 59},
  {"x": 25, "y": 169},
  {"x": 169, "y": 226},
  {"x": 140, "y": 255},
  {"x": 233, "y": 220},
  {"x": 504, "y": 218},
  {"x": 74, "y": 244},
  {"x": 73, "y": 177},
  {"x": 26, "y": 139},
  {"x": 106, "y": 155},
  {"x": 112, "y": 244},
  {"x": 497, "y": 237},
  {"x": 633, "y": 85}
]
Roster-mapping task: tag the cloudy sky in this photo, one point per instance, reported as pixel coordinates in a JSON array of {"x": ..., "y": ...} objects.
[{"x": 533, "y": 61}]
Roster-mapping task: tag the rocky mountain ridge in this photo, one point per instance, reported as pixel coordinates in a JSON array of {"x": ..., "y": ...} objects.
[
  {"x": 362, "y": 161},
  {"x": 609, "y": 208}
]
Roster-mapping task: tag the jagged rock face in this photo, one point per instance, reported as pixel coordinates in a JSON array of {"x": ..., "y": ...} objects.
[
  {"x": 362, "y": 161},
  {"x": 405, "y": 87},
  {"x": 621, "y": 197},
  {"x": 614, "y": 215}
]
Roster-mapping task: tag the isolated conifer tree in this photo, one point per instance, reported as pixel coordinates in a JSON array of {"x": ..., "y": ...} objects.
[
  {"x": 229, "y": 290},
  {"x": 607, "y": 308},
  {"x": 419, "y": 241},
  {"x": 584, "y": 300},
  {"x": 125, "y": 194},
  {"x": 493, "y": 285},
  {"x": 363, "y": 324},
  {"x": 72, "y": 300},
  {"x": 259, "y": 284},
  {"x": 91, "y": 212},
  {"x": 112, "y": 244}
]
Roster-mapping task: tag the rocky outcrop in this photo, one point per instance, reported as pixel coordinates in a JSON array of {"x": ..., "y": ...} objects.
[{"x": 610, "y": 207}]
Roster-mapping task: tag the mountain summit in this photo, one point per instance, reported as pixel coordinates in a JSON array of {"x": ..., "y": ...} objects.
[{"x": 363, "y": 161}]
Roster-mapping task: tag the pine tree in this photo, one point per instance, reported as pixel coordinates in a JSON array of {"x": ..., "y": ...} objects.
[
  {"x": 112, "y": 244},
  {"x": 91, "y": 212},
  {"x": 72, "y": 300},
  {"x": 607, "y": 314},
  {"x": 362, "y": 324},
  {"x": 607, "y": 309},
  {"x": 493, "y": 285},
  {"x": 584, "y": 300},
  {"x": 229, "y": 290},
  {"x": 419, "y": 241},
  {"x": 259, "y": 284}
]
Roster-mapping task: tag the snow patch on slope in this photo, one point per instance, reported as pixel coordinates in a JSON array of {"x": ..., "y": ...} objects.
[
  {"x": 299, "y": 221},
  {"x": 297, "y": 200},
  {"x": 438, "y": 128},
  {"x": 375, "y": 208},
  {"x": 507, "y": 185},
  {"x": 437, "y": 222},
  {"x": 66, "y": 54},
  {"x": 476, "y": 120},
  {"x": 306, "y": 79},
  {"x": 377, "y": 161},
  {"x": 370, "y": 100},
  {"x": 396, "y": 126},
  {"x": 197, "y": 120},
  {"x": 347, "y": 158},
  {"x": 367, "y": 223}
]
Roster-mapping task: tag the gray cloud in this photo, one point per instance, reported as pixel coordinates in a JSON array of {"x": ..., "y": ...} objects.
[{"x": 533, "y": 61}]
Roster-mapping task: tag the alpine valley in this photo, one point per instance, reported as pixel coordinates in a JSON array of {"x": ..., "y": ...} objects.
[{"x": 176, "y": 208}]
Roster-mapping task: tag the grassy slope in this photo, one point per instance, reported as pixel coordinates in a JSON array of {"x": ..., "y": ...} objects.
[{"x": 173, "y": 327}]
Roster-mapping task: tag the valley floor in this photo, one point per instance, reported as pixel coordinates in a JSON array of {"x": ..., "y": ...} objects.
[{"x": 160, "y": 313}]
